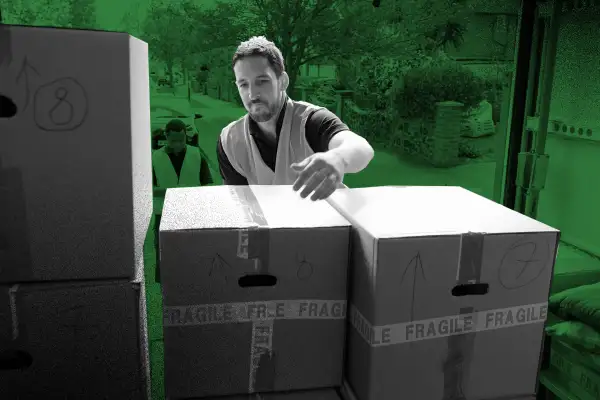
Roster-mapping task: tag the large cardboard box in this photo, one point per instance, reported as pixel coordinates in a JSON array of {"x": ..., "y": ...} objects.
[
  {"x": 75, "y": 166},
  {"x": 254, "y": 283},
  {"x": 73, "y": 340},
  {"x": 448, "y": 294}
]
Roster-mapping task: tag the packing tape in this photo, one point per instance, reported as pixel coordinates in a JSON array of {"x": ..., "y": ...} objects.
[
  {"x": 254, "y": 244},
  {"x": 436, "y": 328},
  {"x": 258, "y": 311},
  {"x": 5, "y": 45},
  {"x": 12, "y": 298},
  {"x": 15, "y": 253},
  {"x": 460, "y": 346},
  {"x": 262, "y": 315}
]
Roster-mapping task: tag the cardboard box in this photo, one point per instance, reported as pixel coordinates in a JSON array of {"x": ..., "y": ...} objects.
[
  {"x": 223, "y": 337},
  {"x": 321, "y": 394},
  {"x": 448, "y": 294},
  {"x": 75, "y": 159},
  {"x": 73, "y": 340}
]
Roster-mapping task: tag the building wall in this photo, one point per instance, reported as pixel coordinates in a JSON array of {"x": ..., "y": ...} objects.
[{"x": 571, "y": 200}]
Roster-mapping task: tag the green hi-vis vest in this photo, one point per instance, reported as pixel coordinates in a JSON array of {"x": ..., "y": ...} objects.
[{"x": 166, "y": 177}]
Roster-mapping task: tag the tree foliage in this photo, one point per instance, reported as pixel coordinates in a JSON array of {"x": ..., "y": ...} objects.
[
  {"x": 311, "y": 31},
  {"x": 58, "y": 13},
  {"x": 168, "y": 29}
]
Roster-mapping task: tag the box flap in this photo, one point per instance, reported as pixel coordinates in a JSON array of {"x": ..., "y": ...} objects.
[
  {"x": 215, "y": 207},
  {"x": 388, "y": 212}
]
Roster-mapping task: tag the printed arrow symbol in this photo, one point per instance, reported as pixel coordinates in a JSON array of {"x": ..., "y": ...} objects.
[
  {"x": 23, "y": 74},
  {"x": 415, "y": 264}
]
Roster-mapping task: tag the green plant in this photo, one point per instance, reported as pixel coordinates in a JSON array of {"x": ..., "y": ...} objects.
[
  {"x": 438, "y": 80},
  {"x": 467, "y": 150},
  {"x": 322, "y": 93}
]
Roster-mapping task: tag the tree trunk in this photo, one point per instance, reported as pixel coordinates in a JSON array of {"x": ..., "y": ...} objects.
[
  {"x": 293, "y": 74},
  {"x": 170, "y": 73}
]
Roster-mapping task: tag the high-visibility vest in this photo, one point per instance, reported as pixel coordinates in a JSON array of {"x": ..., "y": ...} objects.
[
  {"x": 166, "y": 177},
  {"x": 244, "y": 156}
]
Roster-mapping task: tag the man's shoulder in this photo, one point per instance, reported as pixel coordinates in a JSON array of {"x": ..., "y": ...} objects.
[{"x": 232, "y": 126}]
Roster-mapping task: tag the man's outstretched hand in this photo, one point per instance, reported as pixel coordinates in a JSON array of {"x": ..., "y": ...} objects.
[{"x": 320, "y": 174}]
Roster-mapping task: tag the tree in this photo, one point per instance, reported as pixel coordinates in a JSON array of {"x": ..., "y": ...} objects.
[
  {"x": 314, "y": 30},
  {"x": 169, "y": 32},
  {"x": 36, "y": 12},
  {"x": 58, "y": 13},
  {"x": 83, "y": 14},
  {"x": 130, "y": 22}
]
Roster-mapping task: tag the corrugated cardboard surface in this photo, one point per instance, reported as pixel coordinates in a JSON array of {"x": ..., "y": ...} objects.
[
  {"x": 324, "y": 394},
  {"x": 408, "y": 246},
  {"x": 304, "y": 245},
  {"x": 85, "y": 340},
  {"x": 75, "y": 161}
]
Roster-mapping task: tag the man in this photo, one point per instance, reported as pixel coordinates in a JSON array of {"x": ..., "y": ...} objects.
[
  {"x": 281, "y": 141},
  {"x": 175, "y": 165}
]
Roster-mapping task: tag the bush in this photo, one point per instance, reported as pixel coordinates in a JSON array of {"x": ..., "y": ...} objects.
[
  {"x": 322, "y": 93},
  {"x": 440, "y": 80},
  {"x": 467, "y": 150}
]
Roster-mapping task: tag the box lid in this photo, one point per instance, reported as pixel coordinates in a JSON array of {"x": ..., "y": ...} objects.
[
  {"x": 411, "y": 211},
  {"x": 226, "y": 207}
]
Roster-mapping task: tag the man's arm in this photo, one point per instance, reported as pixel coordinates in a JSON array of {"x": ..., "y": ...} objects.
[
  {"x": 228, "y": 172},
  {"x": 326, "y": 132}
]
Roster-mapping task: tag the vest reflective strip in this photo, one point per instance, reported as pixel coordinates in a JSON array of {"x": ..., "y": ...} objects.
[{"x": 166, "y": 177}]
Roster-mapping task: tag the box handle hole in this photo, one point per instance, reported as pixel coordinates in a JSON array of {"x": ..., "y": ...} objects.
[
  {"x": 8, "y": 108},
  {"x": 15, "y": 359},
  {"x": 470, "y": 289},
  {"x": 260, "y": 280}
]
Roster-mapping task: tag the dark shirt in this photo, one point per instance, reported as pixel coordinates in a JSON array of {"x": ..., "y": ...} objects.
[
  {"x": 177, "y": 161},
  {"x": 321, "y": 126}
]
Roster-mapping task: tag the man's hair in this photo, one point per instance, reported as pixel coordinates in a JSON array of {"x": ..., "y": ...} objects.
[
  {"x": 260, "y": 46},
  {"x": 175, "y": 125}
]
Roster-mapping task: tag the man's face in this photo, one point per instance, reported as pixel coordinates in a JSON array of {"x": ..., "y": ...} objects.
[
  {"x": 260, "y": 89},
  {"x": 176, "y": 140}
]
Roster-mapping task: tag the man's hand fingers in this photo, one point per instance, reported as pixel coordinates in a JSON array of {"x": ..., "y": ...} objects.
[
  {"x": 313, "y": 182},
  {"x": 325, "y": 189},
  {"x": 305, "y": 175}
]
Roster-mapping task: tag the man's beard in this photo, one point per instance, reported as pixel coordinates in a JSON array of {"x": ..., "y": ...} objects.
[{"x": 264, "y": 113}]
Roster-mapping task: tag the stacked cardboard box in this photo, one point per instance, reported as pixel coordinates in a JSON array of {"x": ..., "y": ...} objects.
[
  {"x": 254, "y": 292},
  {"x": 75, "y": 203},
  {"x": 448, "y": 295}
]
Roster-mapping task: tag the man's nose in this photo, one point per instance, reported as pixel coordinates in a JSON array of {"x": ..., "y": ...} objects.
[{"x": 253, "y": 94}]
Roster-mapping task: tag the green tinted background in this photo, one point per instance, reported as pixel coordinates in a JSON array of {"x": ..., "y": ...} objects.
[{"x": 409, "y": 76}]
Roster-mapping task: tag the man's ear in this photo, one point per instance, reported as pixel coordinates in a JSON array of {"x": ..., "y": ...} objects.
[{"x": 284, "y": 80}]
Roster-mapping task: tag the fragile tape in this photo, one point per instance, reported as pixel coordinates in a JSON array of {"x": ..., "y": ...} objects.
[
  {"x": 460, "y": 347},
  {"x": 435, "y": 328},
  {"x": 262, "y": 315},
  {"x": 232, "y": 313}
]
